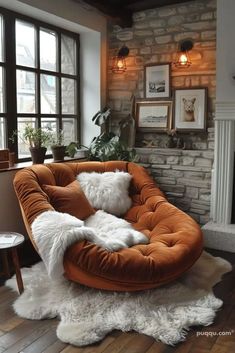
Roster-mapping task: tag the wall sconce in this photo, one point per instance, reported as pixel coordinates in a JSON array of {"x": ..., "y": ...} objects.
[
  {"x": 119, "y": 62},
  {"x": 183, "y": 59}
]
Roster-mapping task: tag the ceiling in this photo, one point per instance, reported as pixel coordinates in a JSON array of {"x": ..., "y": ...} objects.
[{"x": 121, "y": 11}]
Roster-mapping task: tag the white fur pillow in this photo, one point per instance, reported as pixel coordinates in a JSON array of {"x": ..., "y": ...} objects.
[{"x": 107, "y": 191}]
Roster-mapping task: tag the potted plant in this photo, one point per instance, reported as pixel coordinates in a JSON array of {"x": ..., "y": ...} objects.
[
  {"x": 37, "y": 139},
  {"x": 108, "y": 146},
  {"x": 57, "y": 145}
]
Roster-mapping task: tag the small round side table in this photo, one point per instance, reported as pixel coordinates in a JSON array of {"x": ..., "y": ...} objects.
[{"x": 12, "y": 248}]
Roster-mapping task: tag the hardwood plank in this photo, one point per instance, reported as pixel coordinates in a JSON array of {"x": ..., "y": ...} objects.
[
  {"x": 42, "y": 342},
  {"x": 56, "y": 347},
  {"x": 11, "y": 323},
  {"x": 28, "y": 341},
  {"x": 119, "y": 343},
  {"x": 138, "y": 344}
]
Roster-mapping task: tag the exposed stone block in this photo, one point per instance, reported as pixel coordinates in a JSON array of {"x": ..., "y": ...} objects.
[
  {"x": 157, "y": 23},
  {"x": 166, "y": 11},
  {"x": 207, "y": 16},
  {"x": 187, "y": 160},
  {"x": 149, "y": 41},
  {"x": 192, "y": 168},
  {"x": 175, "y": 20},
  {"x": 125, "y": 35},
  {"x": 173, "y": 173},
  {"x": 192, "y": 192},
  {"x": 199, "y": 26},
  {"x": 203, "y": 162},
  {"x": 139, "y": 16},
  {"x": 143, "y": 33},
  {"x": 191, "y": 153},
  {"x": 161, "y": 166},
  {"x": 185, "y": 35},
  {"x": 195, "y": 216},
  {"x": 163, "y": 39},
  {"x": 141, "y": 25},
  {"x": 173, "y": 194},
  {"x": 200, "y": 145},
  {"x": 194, "y": 182},
  {"x": 157, "y": 159},
  {"x": 173, "y": 188},
  {"x": 167, "y": 181},
  {"x": 159, "y": 31},
  {"x": 172, "y": 160},
  {"x": 200, "y": 207},
  {"x": 205, "y": 195},
  {"x": 194, "y": 175},
  {"x": 145, "y": 50},
  {"x": 204, "y": 219},
  {"x": 208, "y": 154},
  {"x": 208, "y": 35},
  {"x": 197, "y": 211}
]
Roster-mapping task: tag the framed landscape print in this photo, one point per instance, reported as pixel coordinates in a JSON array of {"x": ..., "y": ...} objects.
[
  {"x": 157, "y": 81},
  {"x": 190, "y": 109},
  {"x": 153, "y": 115}
]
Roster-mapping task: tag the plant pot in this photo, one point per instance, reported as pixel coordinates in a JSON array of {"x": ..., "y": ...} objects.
[
  {"x": 58, "y": 152},
  {"x": 37, "y": 154}
]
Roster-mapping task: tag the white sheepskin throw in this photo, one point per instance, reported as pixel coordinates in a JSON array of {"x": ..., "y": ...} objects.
[
  {"x": 54, "y": 232},
  {"x": 107, "y": 191},
  {"x": 87, "y": 315}
]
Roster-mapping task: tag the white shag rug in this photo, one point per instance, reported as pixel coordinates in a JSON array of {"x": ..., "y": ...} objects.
[{"x": 88, "y": 315}]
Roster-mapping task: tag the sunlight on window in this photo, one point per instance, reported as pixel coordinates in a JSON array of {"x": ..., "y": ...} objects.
[
  {"x": 2, "y": 133},
  {"x": 23, "y": 148},
  {"x": 25, "y": 92},
  {"x": 48, "y": 94},
  {"x": 25, "y": 44},
  {"x": 48, "y": 50}
]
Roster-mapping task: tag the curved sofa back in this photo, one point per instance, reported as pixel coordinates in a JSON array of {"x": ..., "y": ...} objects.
[{"x": 33, "y": 200}]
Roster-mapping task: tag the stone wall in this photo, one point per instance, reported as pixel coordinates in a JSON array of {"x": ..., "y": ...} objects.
[
  {"x": 184, "y": 176},
  {"x": 154, "y": 38}
]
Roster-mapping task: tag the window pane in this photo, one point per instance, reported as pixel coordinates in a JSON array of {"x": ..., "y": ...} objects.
[
  {"x": 48, "y": 94},
  {"x": 25, "y": 44},
  {"x": 23, "y": 148},
  {"x": 1, "y": 40},
  {"x": 2, "y": 133},
  {"x": 68, "y": 55},
  {"x": 26, "y": 100},
  {"x": 68, "y": 96},
  {"x": 69, "y": 129},
  {"x": 48, "y": 50},
  {"x": 2, "y": 91},
  {"x": 51, "y": 124}
]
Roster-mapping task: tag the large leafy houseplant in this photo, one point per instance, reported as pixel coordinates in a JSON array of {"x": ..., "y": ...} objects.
[{"x": 108, "y": 146}]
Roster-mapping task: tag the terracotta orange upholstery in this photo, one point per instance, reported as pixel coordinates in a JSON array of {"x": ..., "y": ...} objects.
[{"x": 175, "y": 238}]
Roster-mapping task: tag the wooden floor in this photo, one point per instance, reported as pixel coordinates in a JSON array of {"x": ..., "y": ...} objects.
[{"x": 25, "y": 336}]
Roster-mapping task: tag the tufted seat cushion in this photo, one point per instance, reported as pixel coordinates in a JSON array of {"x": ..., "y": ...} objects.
[{"x": 175, "y": 238}]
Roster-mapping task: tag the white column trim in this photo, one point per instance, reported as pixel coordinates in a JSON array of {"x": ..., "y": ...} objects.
[
  {"x": 224, "y": 162},
  {"x": 225, "y": 111}
]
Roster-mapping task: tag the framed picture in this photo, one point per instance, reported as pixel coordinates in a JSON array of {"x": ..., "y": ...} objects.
[
  {"x": 153, "y": 115},
  {"x": 157, "y": 81},
  {"x": 190, "y": 109}
]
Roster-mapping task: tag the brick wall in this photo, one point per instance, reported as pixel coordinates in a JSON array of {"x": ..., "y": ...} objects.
[
  {"x": 185, "y": 176},
  {"x": 154, "y": 38}
]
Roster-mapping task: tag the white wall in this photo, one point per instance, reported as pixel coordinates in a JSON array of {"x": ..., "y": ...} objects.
[
  {"x": 92, "y": 29},
  {"x": 225, "y": 84}
]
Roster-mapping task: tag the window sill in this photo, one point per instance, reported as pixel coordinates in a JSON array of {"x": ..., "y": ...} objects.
[{"x": 22, "y": 165}]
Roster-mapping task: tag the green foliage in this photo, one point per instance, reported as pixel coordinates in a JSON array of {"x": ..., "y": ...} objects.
[
  {"x": 72, "y": 148},
  {"x": 34, "y": 137},
  {"x": 57, "y": 138},
  {"x": 107, "y": 147}
]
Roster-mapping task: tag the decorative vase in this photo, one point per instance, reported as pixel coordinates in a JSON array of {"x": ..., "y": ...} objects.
[
  {"x": 58, "y": 152},
  {"x": 37, "y": 154}
]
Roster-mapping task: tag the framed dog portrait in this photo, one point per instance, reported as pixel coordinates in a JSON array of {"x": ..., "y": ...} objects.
[
  {"x": 190, "y": 109},
  {"x": 153, "y": 115},
  {"x": 157, "y": 81}
]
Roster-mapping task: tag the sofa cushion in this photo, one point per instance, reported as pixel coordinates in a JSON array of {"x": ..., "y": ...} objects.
[
  {"x": 69, "y": 199},
  {"x": 107, "y": 191}
]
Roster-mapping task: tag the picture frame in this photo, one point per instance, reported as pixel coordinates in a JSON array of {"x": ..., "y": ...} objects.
[
  {"x": 190, "y": 109},
  {"x": 153, "y": 116},
  {"x": 157, "y": 81}
]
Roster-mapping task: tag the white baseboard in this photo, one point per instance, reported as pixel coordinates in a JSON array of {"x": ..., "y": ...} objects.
[{"x": 219, "y": 236}]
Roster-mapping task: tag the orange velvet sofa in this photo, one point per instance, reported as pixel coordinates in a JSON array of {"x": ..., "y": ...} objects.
[{"x": 175, "y": 239}]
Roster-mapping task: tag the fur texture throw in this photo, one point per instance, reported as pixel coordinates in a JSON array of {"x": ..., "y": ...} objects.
[
  {"x": 54, "y": 232},
  {"x": 107, "y": 191},
  {"x": 87, "y": 315}
]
